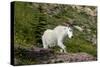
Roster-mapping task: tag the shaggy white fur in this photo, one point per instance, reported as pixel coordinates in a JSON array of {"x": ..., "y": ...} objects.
[{"x": 56, "y": 36}]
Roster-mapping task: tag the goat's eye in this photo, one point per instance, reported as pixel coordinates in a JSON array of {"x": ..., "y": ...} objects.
[
  {"x": 70, "y": 30},
  {"x": 64, "y": 28}
]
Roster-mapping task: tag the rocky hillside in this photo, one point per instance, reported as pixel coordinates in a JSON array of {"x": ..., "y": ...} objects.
[
  {"x": 46, "y": 56},
  {"x": 32, "y": 19}
]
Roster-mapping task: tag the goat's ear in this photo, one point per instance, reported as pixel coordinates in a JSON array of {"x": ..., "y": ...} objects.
[
  {"x": 65, "y": 24},
  {"x": 68, "y": 25},
  {"x": 73, "y": 24}
]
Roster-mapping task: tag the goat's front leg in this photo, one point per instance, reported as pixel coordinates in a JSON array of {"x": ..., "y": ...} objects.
[{"x": 61, "y": 45}]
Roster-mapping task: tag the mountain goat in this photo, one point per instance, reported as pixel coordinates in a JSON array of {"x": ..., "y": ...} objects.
[{"x": 56, "y": 36}]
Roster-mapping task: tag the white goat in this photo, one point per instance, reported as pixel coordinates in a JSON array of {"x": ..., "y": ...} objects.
[{"x": 56, "y": 36}]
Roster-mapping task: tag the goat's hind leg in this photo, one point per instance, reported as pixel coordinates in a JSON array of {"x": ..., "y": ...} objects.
[{"x": 44, "y": 43}]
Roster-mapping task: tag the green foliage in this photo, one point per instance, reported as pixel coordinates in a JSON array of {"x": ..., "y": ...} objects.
[{"x": 76, "y": 45}]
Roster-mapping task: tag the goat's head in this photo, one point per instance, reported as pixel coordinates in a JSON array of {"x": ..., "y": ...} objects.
[
  {"x": 69, "y": 29},
  {"x": 70, "y": 25},
  {"x": 70, "y": 32}
]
